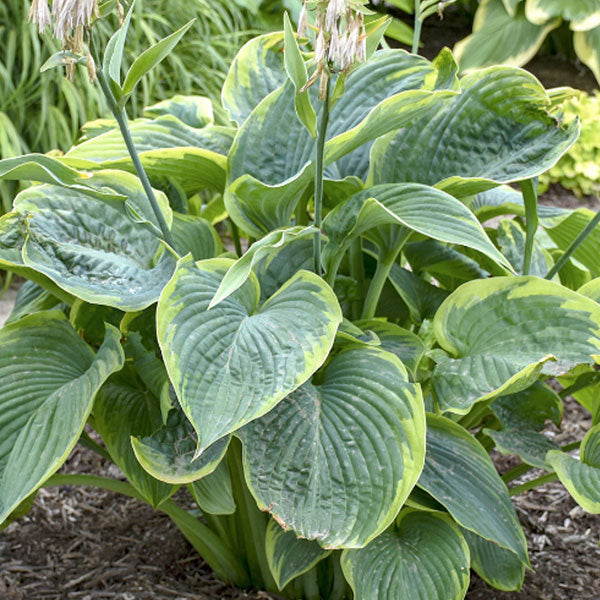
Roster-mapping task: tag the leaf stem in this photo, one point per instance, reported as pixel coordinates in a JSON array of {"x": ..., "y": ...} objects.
[
  {"x": 319, "y": 168},
  {"x": 213, "y": 550},
  {"x": 235, "y": 234},
  {"x": 357, "y": 270},
  {"x": 529, "y": 485},
  {"x": 252, "y": 521},
  {"x": 88, "y": 442},
  {"x": 560, "y": 263},
  {"x": 121, "y": 118},
  {"x": 529, "y": 189},
  {"x": 384, "y": 266},
  {"x": 418, "y": 25}
]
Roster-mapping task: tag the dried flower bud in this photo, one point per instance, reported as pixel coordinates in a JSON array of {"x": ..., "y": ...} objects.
[
  {"x": 340, "y": 39},
  {"x": 39, "y": 13},
  {"x": 302, "y": 21},
  {"x": 70, "y": 17}
]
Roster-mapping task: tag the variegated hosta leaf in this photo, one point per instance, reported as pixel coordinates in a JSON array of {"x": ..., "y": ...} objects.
[
  {"x": 499, "y": 37},
  {"x": 587, "y": 48},
  {"x": 591, "y": 289},
  {"x": 523, "y": 415},
  {"x": 49, "y": 380},
  {"x": 416, "y": 207},
  {"x": 13, "y": 231},
  {"x": 213, "y": 493},
  {"x": 92, "y": 247},
  {"x": 255, "y": 72},
  {"x": 313, "y": 463},
  {"x": 581, "y": 14},
  {"x": 463, "y": 148},
  {"x": 581, "y": 477},
  {"x": 406, "y": 345},
  {"x": 504, "y": 332},
  {"x": 168, "y": 453},
  {"x": 289, "y": 556},
  {"x": 234, "y": 363},
  {"x": 424, "y": 558},
  {"x": 195, "y": 111},
  {"x": 47, "y": 169},
  {"x": 563, "y": 229},
  {"x": 168, "y": 148},
  {"x": 499, "y": 567},
  {"x": 270, "y": 245},
  {"x": 459, "y": 474},
  {"x": 263, "y": 187},
  {"x": 121, "y": 411}
]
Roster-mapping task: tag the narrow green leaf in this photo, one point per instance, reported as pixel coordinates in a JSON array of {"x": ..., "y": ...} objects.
[{"x": 151, "y": 57}]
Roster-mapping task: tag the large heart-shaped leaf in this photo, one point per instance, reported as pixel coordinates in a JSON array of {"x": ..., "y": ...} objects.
[
  {"x": 315, "y": 465},
  {"x": 463, "y": 148},
  {"x": 501, "y": 35},
  {"x": 289, "y": 556},
  {"x": 263, "y": 187},
  {"x": 503, "y": 332},
  {"x": 581, "y": 477},
  {"x": 121, "y": 411},
  {"x": 459, "y": 474},
  {"x": 49, "y": 380},
  {"x": 92, "y": 247},
  {"x": 424, "y": 557},
  {"x": 234, "y": 363}
]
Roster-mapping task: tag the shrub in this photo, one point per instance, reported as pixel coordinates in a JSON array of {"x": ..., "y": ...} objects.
[
  {"x": 579, "y": 169},
  {"x": 329, "y": 396}
]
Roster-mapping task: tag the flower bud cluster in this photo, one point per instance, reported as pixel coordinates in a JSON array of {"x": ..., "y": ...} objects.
[
  {"x": 71, "y": 18},
  {"x": 340, "y": 36}
]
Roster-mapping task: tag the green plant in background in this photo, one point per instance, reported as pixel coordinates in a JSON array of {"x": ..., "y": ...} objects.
[
  {"x": 44, "y": 112},
  {"x": 579, "y": 169},
  {"x": 512, "y": 31},
  {"x": 327, "y": 425}
]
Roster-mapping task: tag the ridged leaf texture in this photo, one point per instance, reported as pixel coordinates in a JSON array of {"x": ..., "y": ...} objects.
[
  {"x": 335, "y": 460},
  {"x": 49, "y": 381},
  {"x": 233, "y": 363}
]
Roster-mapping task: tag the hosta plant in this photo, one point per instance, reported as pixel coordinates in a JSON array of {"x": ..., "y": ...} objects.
[
  {"x": 512, "y": 31},
  {"x": 300, "y": 321}
]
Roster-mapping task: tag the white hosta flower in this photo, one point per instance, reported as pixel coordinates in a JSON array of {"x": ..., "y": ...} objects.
[{"x": 39, "y": 13}]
